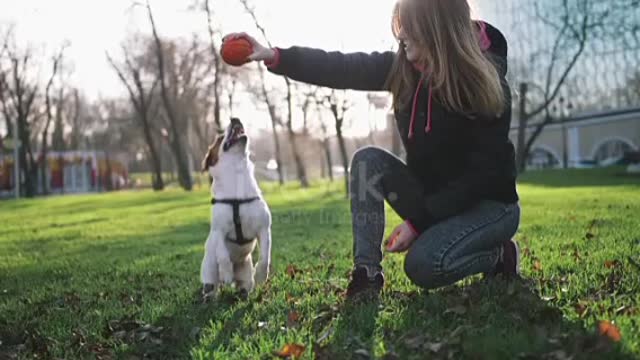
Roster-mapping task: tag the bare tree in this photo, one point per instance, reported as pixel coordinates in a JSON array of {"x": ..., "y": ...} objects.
[
  {"x": 217, "y": 64},
  {"x": 339, "y": 105},
  {"x": 141, "y": 98},
  {"x": 19, "y": 103},
  {"x": 300, "y": 168},
  {"x": 176, "y": 140},
  {"x": 57, "y": 141},
  {"x": 325, "y": 140},
  {"x": 76, "y": 128},
  {"x": 45, "y": 133},
  {"x": 575, "y": 23}
]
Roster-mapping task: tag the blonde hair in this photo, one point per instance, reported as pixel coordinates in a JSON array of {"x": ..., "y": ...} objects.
[{"x": 462, "y": 78}]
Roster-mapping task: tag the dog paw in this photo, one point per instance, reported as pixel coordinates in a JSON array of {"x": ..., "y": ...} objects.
[
  {"x": 261, "y": 273},
  {"x": 209, "y": 292},
  {"x": 243, "y": 294}
]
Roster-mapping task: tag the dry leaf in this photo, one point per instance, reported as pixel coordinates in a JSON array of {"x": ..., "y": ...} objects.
[
  {"x": 610, "y": 264},
  {"x": 581, "y": 308},
  {"x": 609, "y": 330},
  {"x": 292, "y": 318},
  {"x": 290, "y": 298},
  {"x": 537, "y": 265},
  {"x": 292, "y": 270},
  {"x": 290, "y": 350}
]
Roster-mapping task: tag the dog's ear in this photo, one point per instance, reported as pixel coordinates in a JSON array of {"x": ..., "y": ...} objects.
[{"x": 211, "y": 158}]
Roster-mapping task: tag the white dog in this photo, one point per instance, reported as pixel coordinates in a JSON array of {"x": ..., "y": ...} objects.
[{"x": 239, "y": 215}]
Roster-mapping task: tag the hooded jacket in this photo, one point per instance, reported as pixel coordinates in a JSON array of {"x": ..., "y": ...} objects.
[{"x": 459, "y": 160}]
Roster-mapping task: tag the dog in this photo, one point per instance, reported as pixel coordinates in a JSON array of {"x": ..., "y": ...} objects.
[{"x": 239, "y": 216}]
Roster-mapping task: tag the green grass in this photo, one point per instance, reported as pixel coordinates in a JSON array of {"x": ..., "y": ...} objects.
[{"x": 116, "y": 276}]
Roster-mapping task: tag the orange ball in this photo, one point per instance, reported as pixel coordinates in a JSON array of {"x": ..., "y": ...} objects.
[{"x": 235, "y": 51}]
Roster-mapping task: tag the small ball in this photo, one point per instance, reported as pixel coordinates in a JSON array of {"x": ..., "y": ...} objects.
[{"x": 236, "y": 51}]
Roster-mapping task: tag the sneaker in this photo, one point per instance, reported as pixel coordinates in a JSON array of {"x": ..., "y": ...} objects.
[
  {"x": 508, "y": 264},
  {"x": 362, "y": 285}
]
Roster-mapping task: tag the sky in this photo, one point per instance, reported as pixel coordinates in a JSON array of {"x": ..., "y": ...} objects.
[{"x": 94, "y": 26}]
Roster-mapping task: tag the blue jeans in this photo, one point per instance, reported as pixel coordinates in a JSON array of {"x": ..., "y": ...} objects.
[{"x": 462, "y": 245}]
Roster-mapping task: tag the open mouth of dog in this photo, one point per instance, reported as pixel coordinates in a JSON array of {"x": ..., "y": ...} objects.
[{"x": 235, "y": 135}]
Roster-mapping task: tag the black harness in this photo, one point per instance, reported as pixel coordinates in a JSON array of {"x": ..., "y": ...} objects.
[{"x": 235, "y": 203}]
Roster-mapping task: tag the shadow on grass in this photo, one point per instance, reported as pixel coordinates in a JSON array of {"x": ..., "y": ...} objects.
[
  {"x": 71, "y": 299},
  {"x": 483, "y": 320}
]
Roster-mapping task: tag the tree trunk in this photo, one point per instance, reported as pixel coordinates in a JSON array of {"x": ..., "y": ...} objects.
[
  {"x": 276, "y": 140},
  {"x": 521, "y": 154},
  {"x": 218, "y": 68},
  {"x": 327, "y": 152},
  {"x": 156, "y": 163},
  {"x": 176, "y": 144},
  {"x": 57, "y": 141},
  {"x": 300, "y": 169},
  {"x": 74, "y": 141},
  {"x": 343, "y": 155}
]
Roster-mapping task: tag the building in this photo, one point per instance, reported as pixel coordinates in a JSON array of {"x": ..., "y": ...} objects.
[
  {"x": 597, "y": 118},
  {"x": 69, "y": 172}
]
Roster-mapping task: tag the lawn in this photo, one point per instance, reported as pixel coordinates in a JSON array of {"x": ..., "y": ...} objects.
[{"x": 116, "y": 276}]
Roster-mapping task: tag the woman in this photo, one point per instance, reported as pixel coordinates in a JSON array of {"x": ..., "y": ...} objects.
[{"x": 456, "y": 192}]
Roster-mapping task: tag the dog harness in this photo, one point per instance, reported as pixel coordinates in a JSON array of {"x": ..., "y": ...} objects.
[{"x": 235, "y": 204}]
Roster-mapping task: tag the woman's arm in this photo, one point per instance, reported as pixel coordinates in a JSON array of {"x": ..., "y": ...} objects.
[{"x": 356, "y": 71}]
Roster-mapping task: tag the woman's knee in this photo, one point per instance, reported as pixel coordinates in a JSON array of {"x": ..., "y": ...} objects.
[
  {"x": 420, "y": 269},
  {"x": 367, "y": 154}
]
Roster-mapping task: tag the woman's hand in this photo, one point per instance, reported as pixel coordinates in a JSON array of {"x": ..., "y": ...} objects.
[
  {"x": 401, "y": 238},
  {"x": 260, "y": 52}
]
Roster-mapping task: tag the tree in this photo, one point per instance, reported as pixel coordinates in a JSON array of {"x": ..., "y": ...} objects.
[
  {"x": 574, "y": 23},
  {"x": 176, "y": 140},
  {"x": 300, "y": 168},
  {"x": 21, "y": 91},
  {"x": 141, "y": 97},
  {"x": 339, "y": 105},
  {"x": 45, "y": 133},
  {"x": 325, "y": 140},
  {"x": 218, "y": 68}
]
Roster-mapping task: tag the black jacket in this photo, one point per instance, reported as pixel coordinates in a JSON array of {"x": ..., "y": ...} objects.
[{"x": 460, "y": 161}]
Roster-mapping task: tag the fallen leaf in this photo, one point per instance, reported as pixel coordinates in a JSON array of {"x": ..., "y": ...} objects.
[
  {"x": 458, "y": 310},
  {"x": 609, "y": 264},
  {"x": 609, "y": 330},
  {"x": 292, "y": 270},
  {"x": 576, "y": 254},
  {"x": 292, "y": 318},
  {"x": 537, "y": 265},
  {"x": 581, "y": 308},
  {"x": 290, "y": 350}
]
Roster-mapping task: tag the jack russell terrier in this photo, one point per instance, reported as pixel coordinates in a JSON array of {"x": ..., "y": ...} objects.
[{"x": 239, "y": 215}]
